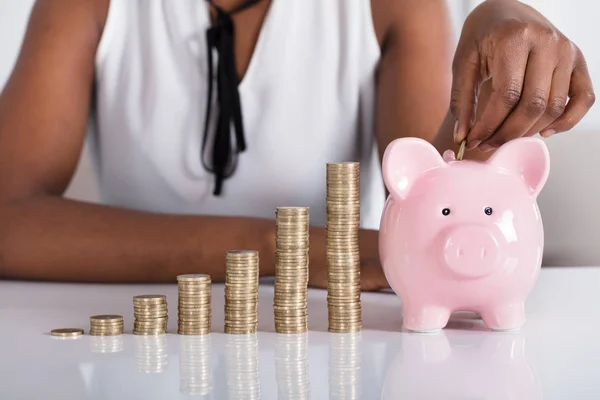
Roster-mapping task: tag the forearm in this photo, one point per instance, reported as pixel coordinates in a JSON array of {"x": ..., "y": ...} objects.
[
  {"x": 414, "y": 76},
  {"x": 50, "y": 238}
]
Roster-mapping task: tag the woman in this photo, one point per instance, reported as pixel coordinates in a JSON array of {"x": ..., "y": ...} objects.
[{"x": 297, "y": 84}]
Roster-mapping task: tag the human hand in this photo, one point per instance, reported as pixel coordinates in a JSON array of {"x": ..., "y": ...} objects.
[
  {"x": 529, "y": 69},
  {"x": 372, "y": 277}
]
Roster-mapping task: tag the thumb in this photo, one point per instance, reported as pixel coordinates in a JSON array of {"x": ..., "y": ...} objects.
[{"x": 463, "y": 96}]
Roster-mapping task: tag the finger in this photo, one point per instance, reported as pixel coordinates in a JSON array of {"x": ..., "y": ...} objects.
[
  {"x": 508, "y": 72},
  {"x": 582, "y": 98},
  {"x": 558, "y": 99},
  {"x": 532, "y": 104},
  {"x": 463, "y": 96}
]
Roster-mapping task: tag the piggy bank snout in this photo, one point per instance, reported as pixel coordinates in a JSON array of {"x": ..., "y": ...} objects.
[{"x": 472, "y": 251}]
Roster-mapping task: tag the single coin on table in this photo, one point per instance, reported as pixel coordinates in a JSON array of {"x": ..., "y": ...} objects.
[{"x": 66, "y": 332}]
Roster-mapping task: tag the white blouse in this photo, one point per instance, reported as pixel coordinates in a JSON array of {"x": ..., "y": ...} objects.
[{"x": 307, "y": 99}]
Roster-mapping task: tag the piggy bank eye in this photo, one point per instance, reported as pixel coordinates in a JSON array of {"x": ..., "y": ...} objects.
[
  {"x": 488, "y": 210},
  {"x": 446, "y": 211}
]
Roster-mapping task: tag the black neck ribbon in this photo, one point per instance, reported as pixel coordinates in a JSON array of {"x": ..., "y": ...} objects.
[{"x": 220, "y": 37}]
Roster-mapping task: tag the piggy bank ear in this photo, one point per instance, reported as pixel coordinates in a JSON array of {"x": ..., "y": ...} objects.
[
  {"x": 528, "y": 158},
  {"x": 404, "y": 160}
]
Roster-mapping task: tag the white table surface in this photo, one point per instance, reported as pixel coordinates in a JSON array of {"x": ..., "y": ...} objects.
[{"x": 555, "y": 356}]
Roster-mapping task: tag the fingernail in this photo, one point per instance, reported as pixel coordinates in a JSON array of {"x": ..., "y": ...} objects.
[
  {"x": 471, "y": 145},
  {"x": 485, "y": 147},
  {"x": 547, "y": 133}
]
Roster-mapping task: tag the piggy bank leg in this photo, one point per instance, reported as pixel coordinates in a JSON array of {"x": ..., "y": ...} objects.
[
  {"x": 425, "y": 318},
  {"x": 504, "y": 317}
]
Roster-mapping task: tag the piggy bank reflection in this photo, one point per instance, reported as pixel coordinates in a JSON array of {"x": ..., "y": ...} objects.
[
  {"x": 469, "y": 366},
  {"x": 462, "y": 235}
]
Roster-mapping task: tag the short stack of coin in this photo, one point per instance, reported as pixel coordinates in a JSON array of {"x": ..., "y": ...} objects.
[
  {"x": 343, "y": 258},
  {"x": 194, "y": 304},
  {"x": 291, "y": 269},
  {"x": 106, "y": 325},
  {"x": 150, "y": 314},
  {"x": 241, "y": 291}
]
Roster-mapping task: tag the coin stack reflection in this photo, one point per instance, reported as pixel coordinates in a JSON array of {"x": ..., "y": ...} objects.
[
  {"x": 106, "y": 344},
  {"x": 241, "y": 291},
  {"x": 344, "y": 366},
  {"x": 241, "y": 363},
  {"x": 291, "y": 367},
  {"x": 195, "y": 368},
  {"x": 343, "y": 258},
  {"x": 106, "y": 325},
  {"x": 194, "y": 304},
  {"x": 150, "y": 314},
  {"x": 151, "y": 353},
  {"x": 291, "y": 269}
]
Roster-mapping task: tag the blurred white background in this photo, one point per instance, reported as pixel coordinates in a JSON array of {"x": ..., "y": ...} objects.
[{"x": 569, "y": 201}]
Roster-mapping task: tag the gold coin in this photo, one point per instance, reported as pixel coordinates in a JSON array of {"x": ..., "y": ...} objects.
[
  {"x": 193, "y": 278},
  {"x": 66, "y": 332},
  {"x": 106, "y": 318},
  {"x": 461, "y": 150},
  {"x": 150, "y": 298}
]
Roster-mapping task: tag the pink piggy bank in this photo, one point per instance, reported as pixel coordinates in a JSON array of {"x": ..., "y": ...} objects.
[{"x": 462, "y": 235}]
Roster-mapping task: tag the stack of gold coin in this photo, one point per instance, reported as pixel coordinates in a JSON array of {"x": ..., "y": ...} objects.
[
  {"x": 291, "y": 269},
  {"x": 106, "y": 325},
  {"x": 150, "y": 314},
  {"x": 343, "y": 258},
  {"x": 194, "y": 304},
  {"x": 241, "y": 291}
]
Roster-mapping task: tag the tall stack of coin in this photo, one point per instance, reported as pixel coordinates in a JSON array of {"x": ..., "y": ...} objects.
[
  {"x": 151, "y": 353},
  {"x": 241, "y": 291},
  {"x": 195, "y": 367},
  {"x": 343, "y": 258},
  {"x": 291, "y": 269},
  {"x": 150, "y": 314},
  {"x": 106, "y": 325},
  {"x": 194, "y": 304},
  {"x": 291, "y": 367}
]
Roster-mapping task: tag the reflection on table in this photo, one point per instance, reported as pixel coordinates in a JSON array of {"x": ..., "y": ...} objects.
[
  {"x": 461, "y": 365},
  {"x": 291, "y": 367},
  {"x": 151, "y": 353},
  {"x": 106, "y": 344},
  {"x": 241, "y": 360},
  {"x": 195, "y": 367}
]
